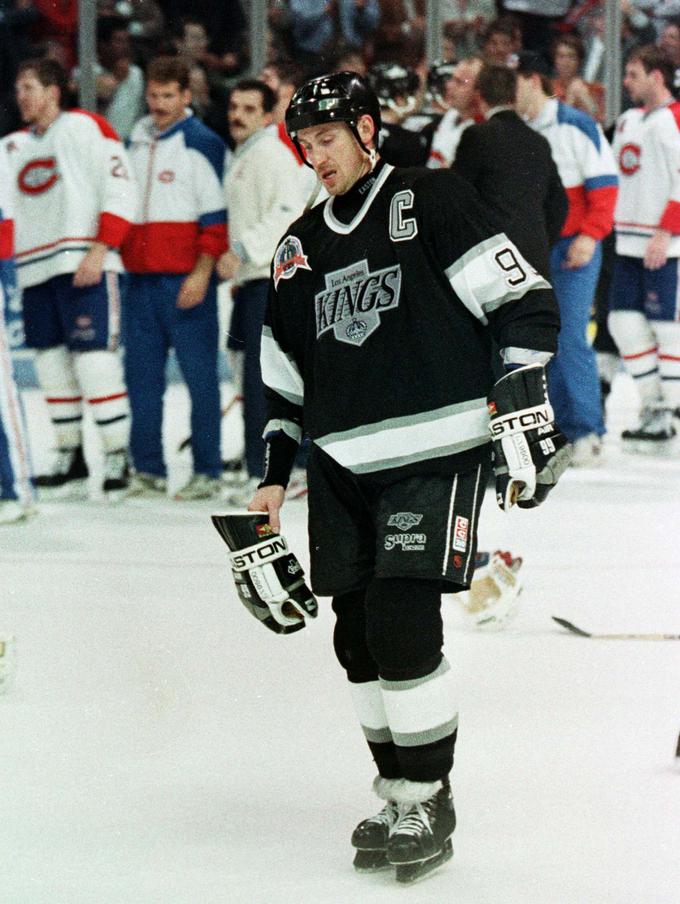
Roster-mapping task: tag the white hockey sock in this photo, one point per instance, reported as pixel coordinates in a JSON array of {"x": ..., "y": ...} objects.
[
  {"x": 668, "y": 335},
  {"x": 58, "y": 381},
  {"x": 368, "y": 704},
  {"x": 638, "y": 346},
  {"x": 422, "y": 710},
  {"x": 100, "y": 374}
]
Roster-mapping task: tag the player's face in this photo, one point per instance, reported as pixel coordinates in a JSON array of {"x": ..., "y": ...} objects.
[
  {"x": 33, "y": 98},
  {"x": 462, "y": 85},
  {"x": 525, "y": 93},
  {"x": 335, "y": 154},
  {"x": 639, "y": 84},
  {"x": 246, "y": 115},
  {"x": 166, "y": 103}
]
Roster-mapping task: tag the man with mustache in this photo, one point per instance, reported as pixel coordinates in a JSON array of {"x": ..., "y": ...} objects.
[{"x": 265, "y": 192}]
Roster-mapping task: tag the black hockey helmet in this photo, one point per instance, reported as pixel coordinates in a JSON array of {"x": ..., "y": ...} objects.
[
  {"x": 438, "y": 74},
  {"x": 395, "y": 85},
  {"x": 338, "y": 97}
]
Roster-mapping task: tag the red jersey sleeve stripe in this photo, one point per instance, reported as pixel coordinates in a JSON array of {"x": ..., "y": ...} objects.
[{"x": 112, "y": 229}]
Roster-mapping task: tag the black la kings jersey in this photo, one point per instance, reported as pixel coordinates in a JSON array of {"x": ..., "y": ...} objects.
[{"x": 378, "y": 336}]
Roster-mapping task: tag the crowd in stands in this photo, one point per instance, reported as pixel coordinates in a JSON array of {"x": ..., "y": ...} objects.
[
  {"x": 156, "y": 57},
  {"x": 314, "y": 36}
]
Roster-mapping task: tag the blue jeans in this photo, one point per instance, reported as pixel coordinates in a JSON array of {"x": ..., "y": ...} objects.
[
  {"x": 152, "y": 325},
  {"x": 573, "y": 381}
]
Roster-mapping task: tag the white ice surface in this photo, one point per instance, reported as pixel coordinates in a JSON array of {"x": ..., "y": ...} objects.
[{"x": 159, "y": 747}]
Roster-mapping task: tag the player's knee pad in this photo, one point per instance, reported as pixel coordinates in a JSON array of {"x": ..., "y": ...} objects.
[
  {"x": 404, "y": 631},
  {"x": 55, "y": 371},
  {"x": 631, "y": 331},
  {"x": 349, "y": 637},
  {"x": 100, "y": 373}
]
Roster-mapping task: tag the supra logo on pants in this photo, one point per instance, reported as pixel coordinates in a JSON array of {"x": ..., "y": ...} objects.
[
  {"x": 404, "y": 520},
  {"x": 406, "y": 542}
]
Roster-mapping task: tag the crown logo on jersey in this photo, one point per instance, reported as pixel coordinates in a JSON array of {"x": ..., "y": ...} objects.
[
  {"x": 289, "y": 258},
  {"x": 404, "y": 520},
  {"x": 353, "y": 300}
]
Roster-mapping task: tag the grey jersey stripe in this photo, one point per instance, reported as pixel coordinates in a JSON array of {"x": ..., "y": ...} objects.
[
  {"x": 428, "y": 736},
  {"x": 409, "y": 684},
  {"x": 279, "y": 371}
]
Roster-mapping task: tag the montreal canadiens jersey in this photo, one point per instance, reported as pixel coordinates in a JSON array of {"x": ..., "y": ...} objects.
[
  {"x": 647, "y": 150},
  {"x": 378, "y": 335}
]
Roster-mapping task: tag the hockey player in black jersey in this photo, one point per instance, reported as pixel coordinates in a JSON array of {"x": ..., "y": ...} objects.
[
  {"x": 397, "y": 88},
  {"x": 377, "y": 345}
]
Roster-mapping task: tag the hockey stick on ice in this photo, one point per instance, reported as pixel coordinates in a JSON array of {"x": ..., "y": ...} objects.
[
  {"x": 574, "y": 630},
  {"x": 223, "y": 413}
]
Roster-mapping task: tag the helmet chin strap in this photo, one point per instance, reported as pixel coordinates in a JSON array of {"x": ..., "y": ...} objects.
[{"x": 372, "y": 158}]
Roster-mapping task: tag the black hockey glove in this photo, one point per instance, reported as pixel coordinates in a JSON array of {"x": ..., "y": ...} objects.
[
  {"x": 269, "y": 579},
  {"x": 530, "y": 451}
]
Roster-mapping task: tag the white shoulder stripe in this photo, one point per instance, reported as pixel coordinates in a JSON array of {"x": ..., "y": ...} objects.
[{"x": 279, "y": 371}]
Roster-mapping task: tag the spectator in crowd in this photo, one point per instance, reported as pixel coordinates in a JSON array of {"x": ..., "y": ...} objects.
[
  {"x": 57, "y": 22},
  {"x": 588, "y": 172},
  {"x": 179, "y": 232},
  {"x": 538, "y": 20},
  {"x": 502, "y": 39},
  {"x": 400, "y": 34},
  {"x": 16, "y": 488},
  {"x": 120, "y": 82},
  {"x": 145, "y": 21},
  {"x": 351, "y": 61},
  {"x": 227, "y": 24},
  {"x": 658, "y": 11},
  {"x": 15, "y": 17},
  {"x": 73, "y": 196},
  {"x": 264, "y": 194},
  {"x": 511, "y": 167},
  {"x": 321, "y": 28},
  {"x": 464, "y": 101},
  {"x": 669, "y": 42},
  {"x": 643, "y": 316},
  {"x": 464, "y": 22},
  {"x": 636, "y": 29},
  {"x": 567, "y": 84}
]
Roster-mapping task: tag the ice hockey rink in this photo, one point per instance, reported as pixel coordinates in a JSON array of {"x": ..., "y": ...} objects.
[{"x": 160, "y": 747}]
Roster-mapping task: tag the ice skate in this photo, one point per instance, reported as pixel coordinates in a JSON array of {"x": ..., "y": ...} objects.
[
  {"x": 147, "y": 486},
  {"x": 420, "y": 839},
  {"x": 199, "y": 487},
  {"x": 13, "y": 512},
  {"x": 67, "y": 477},
  {"x": 7, "y": 662},
  {"x": 654, "y": 434},
  {"x": 116, "y": 475},
  {"x": 371, "y": 835},
  {"x": 587, "y": 451},
  {"x": 233, "y": 472}
]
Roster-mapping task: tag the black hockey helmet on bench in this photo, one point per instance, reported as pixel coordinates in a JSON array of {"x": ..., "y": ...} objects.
[
  {"x": 338, "y": 97},
  {"x": 396, "y": 87}
]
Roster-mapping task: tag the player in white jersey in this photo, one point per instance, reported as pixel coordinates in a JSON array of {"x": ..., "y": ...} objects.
[
  {"x": 16, "y": 488},
  {"x": 644, "y": 299},
  {"x": 73, "y": 203},
  {"x": 464, "y": 111}
]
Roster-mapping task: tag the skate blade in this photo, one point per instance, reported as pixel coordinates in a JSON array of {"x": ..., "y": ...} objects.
[
  {"x": 408, "y": 873},
  {"x": 74, "y": 490},
  {"x": 664, "y": 448},
  {"x": 371, "y": 861}
]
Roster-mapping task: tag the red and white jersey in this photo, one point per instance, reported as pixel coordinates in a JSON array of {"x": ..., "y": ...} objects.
[
  {"x": 6, "y": 211},
  {"x": 72, "y": 187},
  {"x": 586, "y": 166},
  {"x": 180, "y": 210},
  {"x": 647, "y": 150},
  {"x": 446, "y": 139}
]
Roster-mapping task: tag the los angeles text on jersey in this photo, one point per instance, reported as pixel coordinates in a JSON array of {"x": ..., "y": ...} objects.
[{"x": 351, "y": 303}]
